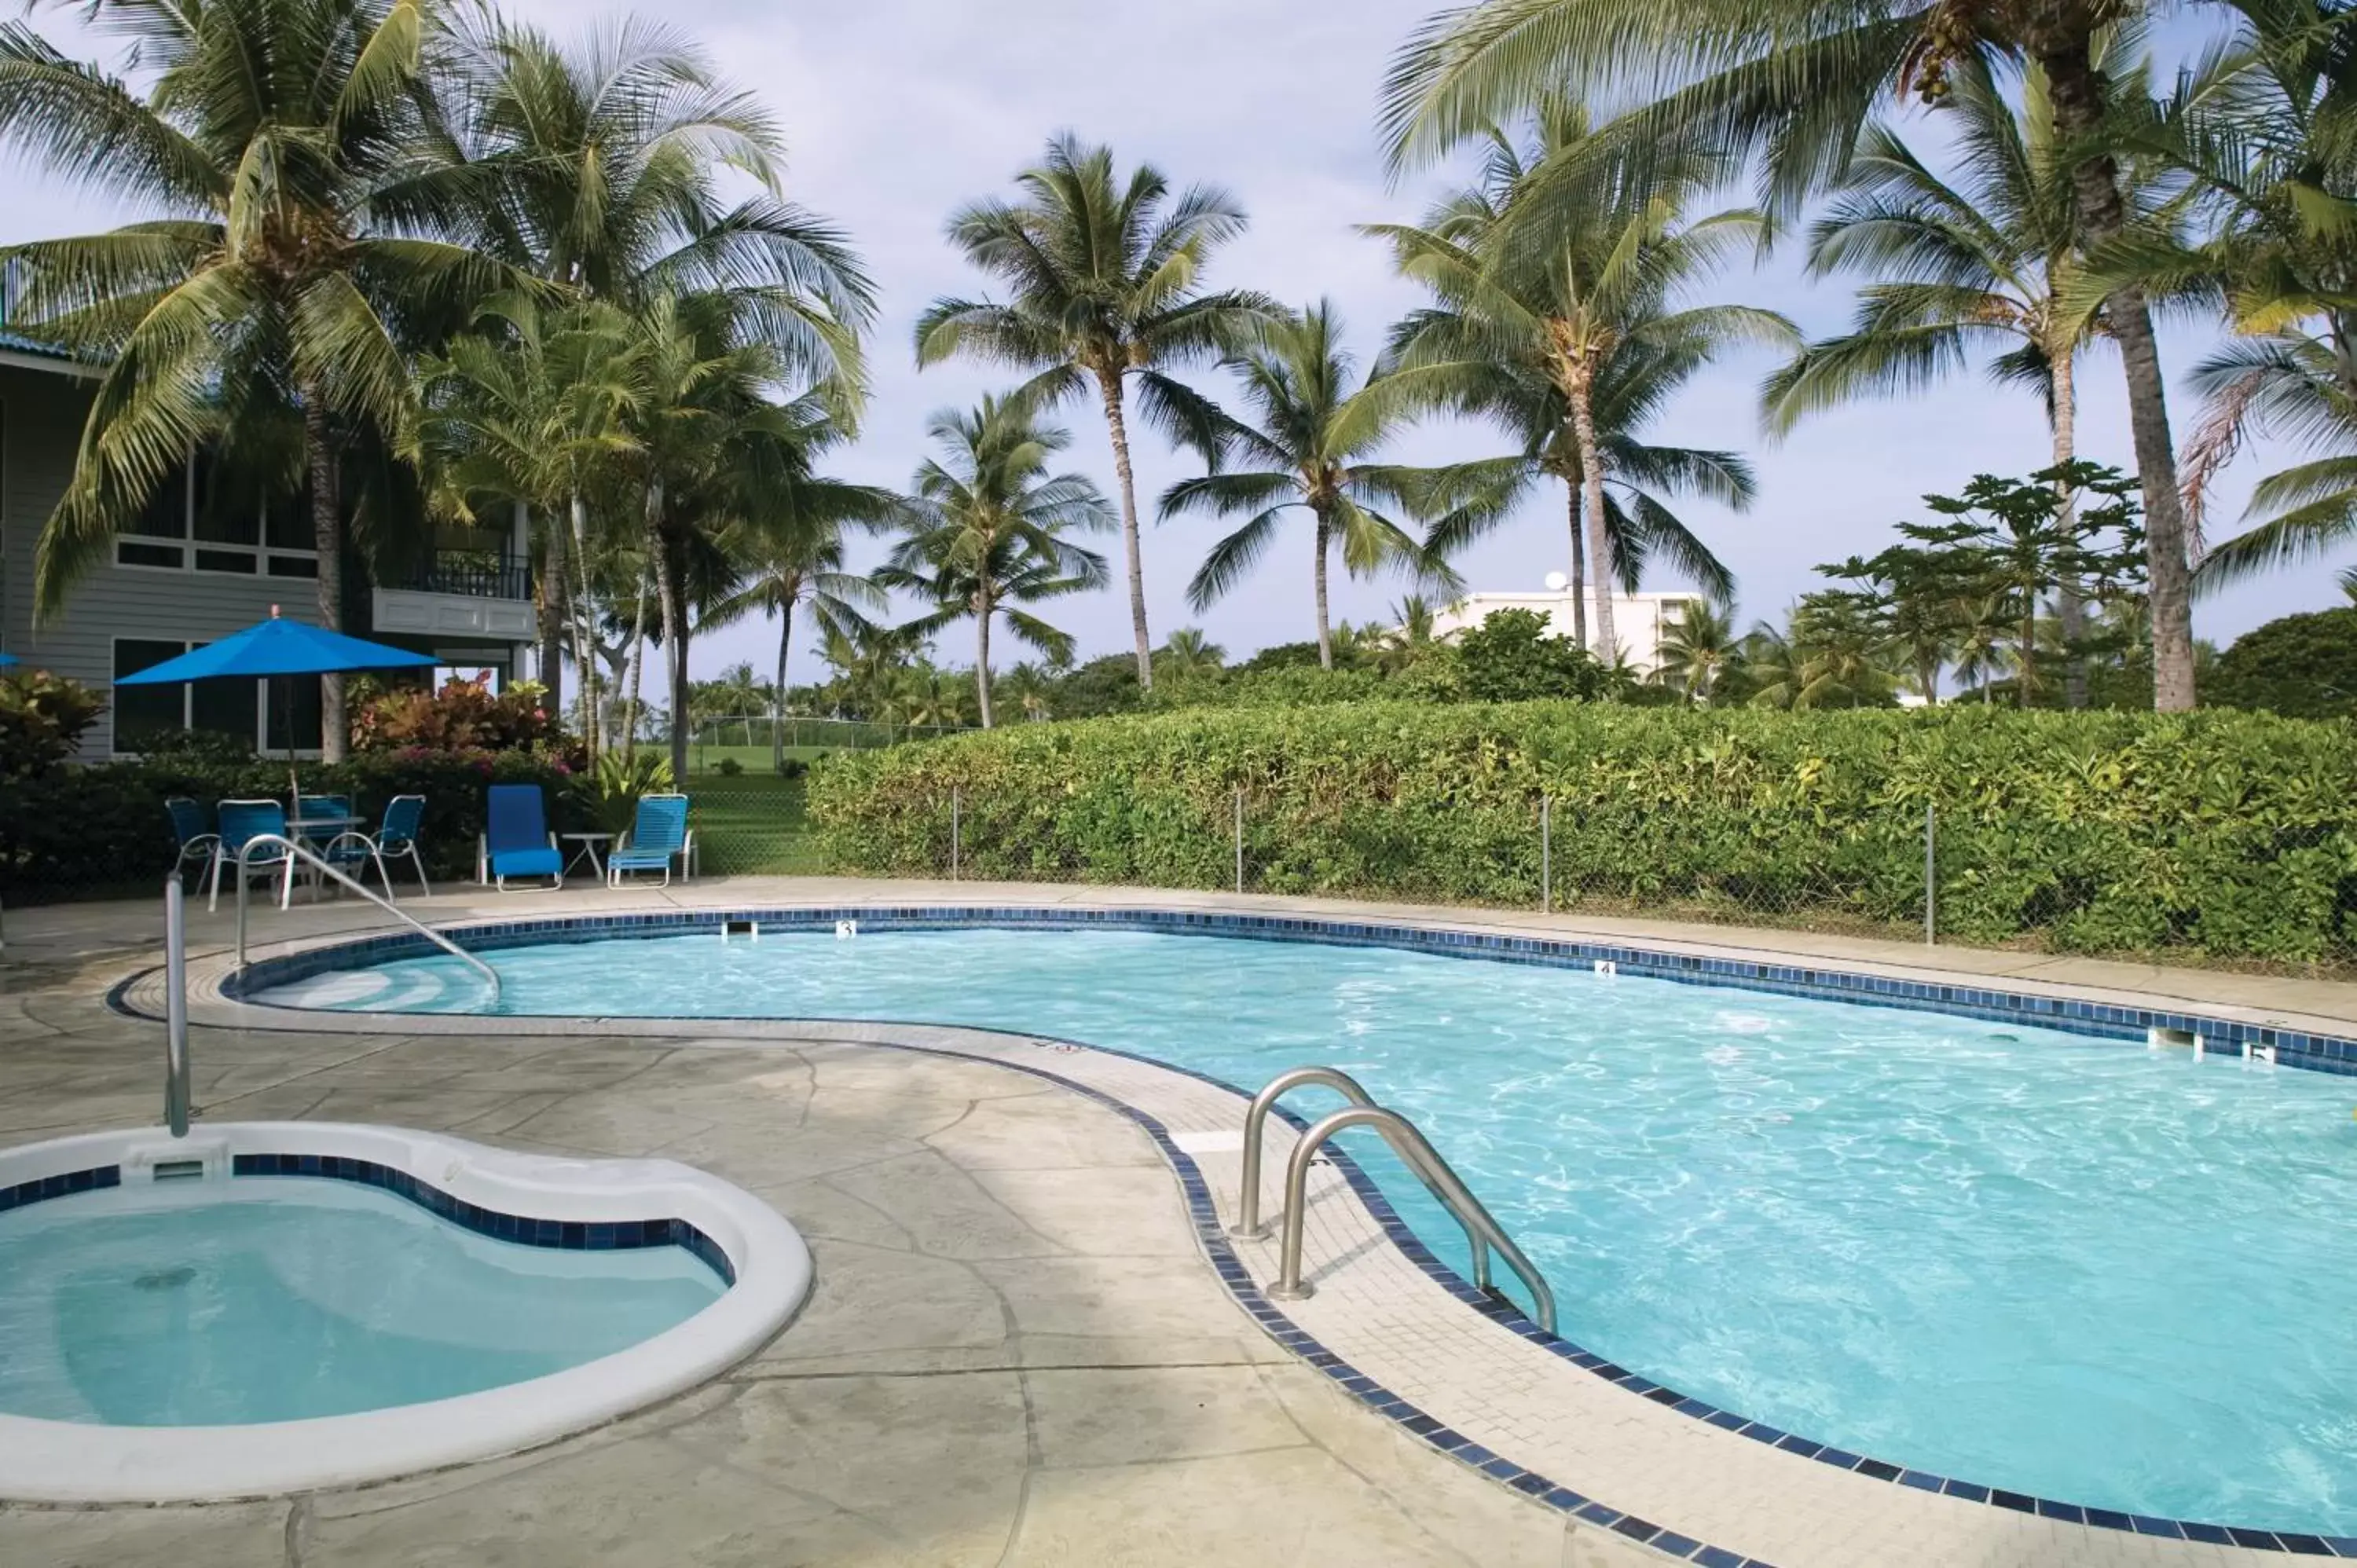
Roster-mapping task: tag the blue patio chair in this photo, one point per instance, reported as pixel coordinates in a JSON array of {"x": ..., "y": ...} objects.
[
  {"x": 518, "y": 843},
  {"x": 198, "y": 842},
  {"x": 318, "y": 814},
  {"x": 659, "y": 835},
  {"x": 243, "y": 821},
  {"x": 395, "y": 836}
]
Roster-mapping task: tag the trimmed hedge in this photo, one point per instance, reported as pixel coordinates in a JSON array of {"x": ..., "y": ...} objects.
[
  {"x": 2220, "y": 833},
  {"x": 78, "y": 832}
]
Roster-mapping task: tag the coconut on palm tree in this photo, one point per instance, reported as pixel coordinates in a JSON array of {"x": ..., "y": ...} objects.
[
  {"x": 1796, "y": 81},
  {"x": 989, "y": 530},
  {"x": 284, "y": 276},
  {"x": 1564, "y": 324},
  {"x": 1105, "y": 285},
  {"x": 1311, "y": 452}
]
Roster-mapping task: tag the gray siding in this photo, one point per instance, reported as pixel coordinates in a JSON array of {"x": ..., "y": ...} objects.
[{"x": 41, "y": 417}]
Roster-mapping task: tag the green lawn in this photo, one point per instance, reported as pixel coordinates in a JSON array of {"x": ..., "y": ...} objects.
[{"x": 751, "y": 825}]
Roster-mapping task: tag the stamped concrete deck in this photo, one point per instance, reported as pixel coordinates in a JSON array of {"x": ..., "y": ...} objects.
[{"x": 1017, "y": 1353}]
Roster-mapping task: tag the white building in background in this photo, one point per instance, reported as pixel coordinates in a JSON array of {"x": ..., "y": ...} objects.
[{"x": 1639, "y": 622}]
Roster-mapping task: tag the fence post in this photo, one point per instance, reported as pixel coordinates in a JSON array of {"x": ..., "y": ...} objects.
[
  {"x": 1930, "y": 874},
  {"x": 1546, "y": 853},
  {"x": 1240, "y": 838},
  {"x": 955, "y": 829}
]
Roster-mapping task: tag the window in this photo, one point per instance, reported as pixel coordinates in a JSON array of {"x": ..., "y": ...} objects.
[
  {"x": 206, "y": 518},
  {"x": 265, "y": 715}
]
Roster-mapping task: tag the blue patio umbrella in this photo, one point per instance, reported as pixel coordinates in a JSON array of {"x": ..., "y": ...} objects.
[
  {"x": 274, "y": 648},
  {"x": 7, "y": 660}
]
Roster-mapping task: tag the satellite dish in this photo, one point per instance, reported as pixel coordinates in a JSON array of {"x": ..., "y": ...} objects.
[{"x": 1556, "y": 582}]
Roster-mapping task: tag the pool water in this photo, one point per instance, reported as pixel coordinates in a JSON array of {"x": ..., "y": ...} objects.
[
  {"x": 2053, "y": 1265},
  {"x": 276, "y": 1298}
]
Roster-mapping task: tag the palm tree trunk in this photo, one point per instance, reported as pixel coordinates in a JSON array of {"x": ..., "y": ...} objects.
[
  {"x": 1607, "y": 647},
  {"x": 1579, "y": 569},
  {"x": 672, "y": 595},
  {"x": 328, "y": 537},
  {"x": 555, "y": 607},
  {"x": 578, "y": 607},
  {"x": 1110, "y": 385},
  {"x": 2078, "y": 92},
  {"x": 778, "y": 711},
  {"x": 1325, "y": 632},
  {"x": 637, "y": 660},
  {"x": 2068, "y": 604},
  {"x": 982, "y": 657}
]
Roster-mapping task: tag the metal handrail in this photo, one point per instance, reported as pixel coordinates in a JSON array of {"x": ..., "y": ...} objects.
[
  {"x": 1418, "y": 1153},
  {"x": 176, "y": 1006},
  {"x": 406, "y": 919},
  {"x": 1249, "y": 1224}
]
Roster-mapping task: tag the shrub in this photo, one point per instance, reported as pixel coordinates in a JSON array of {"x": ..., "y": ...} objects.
[
  {"x": 728, "y": 767},
  {"x": 607, "y": 797},
  {"x": 103, "y": 828},
  {"x": 42, "y": 719},
  {"x": 463, "y": 716},
  {"x": 2304, "y": 666},
  {"x": 2224, "y": 833},
  {"x": 1510, "y": 657}
]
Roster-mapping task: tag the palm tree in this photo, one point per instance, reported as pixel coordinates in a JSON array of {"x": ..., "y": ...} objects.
[
  {"x": 1697, "y": 649},
  {"x": 1548, "y": 315},
  {"x": 1312, "y": 446},
  {"x": 988, "y": 525},
  {"x": 605, "y": 166},
  {"x": 1796, "y": 80},
  {"x": 1029, "y": 688},
  {"x": 792, "y": 554},
  {"x": 1984, "y": 257},
  {"x": 285, "y": 276},
  {"x": 1188, "y": 651},
  {"x": 1410, "y": 636},
  {"x": 1104, "y": 284}
]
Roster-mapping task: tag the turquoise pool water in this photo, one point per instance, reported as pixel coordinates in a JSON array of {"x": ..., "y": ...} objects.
[
  {"x": 2057, "y": 1265},
  {"x": 287, "y": 1297}
]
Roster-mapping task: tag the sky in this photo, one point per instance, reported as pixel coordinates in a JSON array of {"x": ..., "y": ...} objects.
[{"x": 897, "y": 112}]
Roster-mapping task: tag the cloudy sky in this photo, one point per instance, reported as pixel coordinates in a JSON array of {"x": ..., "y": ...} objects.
[{"x": 898, "y": 110}]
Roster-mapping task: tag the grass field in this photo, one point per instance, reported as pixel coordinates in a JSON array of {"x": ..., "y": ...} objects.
[
  {"x": 752, "y": 826},
  {"x": 704, "y": 759}
]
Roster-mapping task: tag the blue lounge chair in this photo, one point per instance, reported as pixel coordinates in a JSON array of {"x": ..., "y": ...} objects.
[
  {"x": 243, "y": 821},
  {"x": 518, "y": 843},
  {"x": 395, "y": 836},
  {"x": 659, "y": 835},
  {"x": 198, "y": 842}
]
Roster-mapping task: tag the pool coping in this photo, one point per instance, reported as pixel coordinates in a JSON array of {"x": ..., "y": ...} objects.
[{"x": 2298, "y": 1049}]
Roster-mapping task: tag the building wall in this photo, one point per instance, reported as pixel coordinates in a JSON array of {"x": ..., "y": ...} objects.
[
  {"x": 1639, "y": 620},
  {"x": 41, "y": 415}
]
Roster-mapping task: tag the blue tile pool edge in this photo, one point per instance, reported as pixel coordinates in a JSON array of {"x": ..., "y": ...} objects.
[{"x": 2293, "y": 1048}]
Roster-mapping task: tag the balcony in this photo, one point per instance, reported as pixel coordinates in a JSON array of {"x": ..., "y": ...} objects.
[
  {"x": 471, "y": 596},
  {"x": 471, "y": 577}
]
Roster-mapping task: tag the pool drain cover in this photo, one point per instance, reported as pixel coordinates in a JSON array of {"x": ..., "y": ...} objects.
[{"x": 165, "y": 1279}]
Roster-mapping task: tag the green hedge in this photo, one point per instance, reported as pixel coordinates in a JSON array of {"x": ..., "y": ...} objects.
[
  {"x": 83, "y": 831},
  {"x": 2224, "y": 833}
]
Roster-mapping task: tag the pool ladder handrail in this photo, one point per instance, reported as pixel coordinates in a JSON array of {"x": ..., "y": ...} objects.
[
  {"x": 1483, "y": 1234},
  {"x": 404, "y": 916}
]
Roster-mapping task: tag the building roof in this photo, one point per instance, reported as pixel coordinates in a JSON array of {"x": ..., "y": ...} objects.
[{"x": 15, "y": 343}]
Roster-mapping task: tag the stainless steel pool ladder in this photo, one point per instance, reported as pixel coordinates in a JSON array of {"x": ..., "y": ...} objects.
[
  {"x": 489, "y": 975},
  {"x": 1483, "y": 1234}
]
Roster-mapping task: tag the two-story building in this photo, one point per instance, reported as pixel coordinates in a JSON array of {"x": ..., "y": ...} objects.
[{"x": 199, "y": 565}]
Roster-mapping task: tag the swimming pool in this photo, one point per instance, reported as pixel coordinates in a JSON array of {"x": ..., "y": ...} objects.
[{"x": 2037, "y": 1260}]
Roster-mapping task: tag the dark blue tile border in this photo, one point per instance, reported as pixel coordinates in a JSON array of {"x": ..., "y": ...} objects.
[
  {"x": 70, "y": 1182},
  {"x": 568, "y": 1235},
  {"x": 2331, "y": 1054}
]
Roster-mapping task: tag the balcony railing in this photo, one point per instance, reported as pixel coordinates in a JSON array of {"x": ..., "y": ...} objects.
[{"x": 472, "y": 577}]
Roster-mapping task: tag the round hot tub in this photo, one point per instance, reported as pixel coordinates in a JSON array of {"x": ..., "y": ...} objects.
[{"x": 267, "y": 1307}]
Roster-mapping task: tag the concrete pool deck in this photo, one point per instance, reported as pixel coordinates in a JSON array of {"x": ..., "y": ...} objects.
[{"x": 1017, "y": 1353}]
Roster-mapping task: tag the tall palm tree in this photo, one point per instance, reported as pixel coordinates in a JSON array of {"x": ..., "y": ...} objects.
[
  {"x": 1310, "y": 450},
  {"x": 1103, "y": 279},
  {"x": 989, "y": 527},
  {"x": 1983, "y": 258},
  {"x": 793, "y": 554},
  {"x": 621, "y": 165},
  {"x": 1546, "y": 314},
  {"x": 285, "y": 273},
  {"x": 1796, "y": 80}
]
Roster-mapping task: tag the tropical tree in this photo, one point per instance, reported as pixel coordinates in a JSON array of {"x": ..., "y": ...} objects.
[
  {"x": 1829, "y": 658},
  {"x": 286, "y": 276},
  {"x": 1697, "y": 649},
  {"x": 1410, "y": 636},
  {"x": 1104, "y": 284},
  {"x": 1983, "y": 258},
  {"x": 1188, "y": 651},
  {"x": 790, "y": 554},
  {"x": 1796, "y": 81},
  {"x": 989, "y": 529},
  {"x": 1029, "y": 688},
  {"x": 1561, "y": 323},
  {"x": 1311, "y": 449}
]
